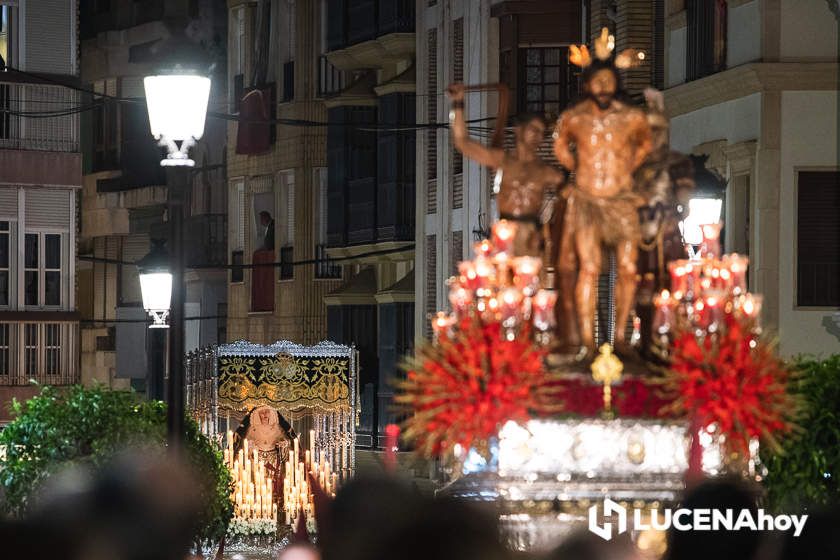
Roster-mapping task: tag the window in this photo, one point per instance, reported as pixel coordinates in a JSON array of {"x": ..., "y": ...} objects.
[
  {"x": 285, "y": 26},
  {"x": 324, "y": 269},
  {"x": 431, "y": 281},
  {"x": 30, "y": 348},
  {"x": 457, "y": 76},
  {"x": 706, "y": 49},
  {"x": 5, "y": 349},
  {"x": 30, "y": 263},
  {"x": 456, "y": 252},
  {"x": 42, "y": 269},
  {"x": 106, "y": 117},
  {"x": 52, "y": 349},
  {"x": 5, "y": 248},
  {"x": 8, "y": 27},
  {"x": 237, "y": 55},
  {"x": 545, "y": 71},
  {"x": 286, "y": 212},
  {"x": 431, "y": 117},
  {"x": 818, "y": 239},
  {"x": 236, "y": 221}
]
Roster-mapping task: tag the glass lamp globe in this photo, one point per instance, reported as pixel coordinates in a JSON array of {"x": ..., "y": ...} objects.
[
  {"x": 177, "y": 105},
  {"x": 701, "y": 212},
  {"x": 156, "y": 284}
]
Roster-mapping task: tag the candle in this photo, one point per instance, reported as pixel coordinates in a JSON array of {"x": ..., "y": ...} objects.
[
  {"x": 484, "y": 271},
  {"x": 737, "y": 265},
  {"x": 483, "y": 248},
  {"x": 312, "y": 440},
  {"x": 711, "y": 239},
  {"x": 468, "y": 275},
  {"x": 460, "y": 298},
  {"x": 441, "y": 324},
  {"x": 503, "y": 234},
  {"x": 543, "y": 309},
  {"x": 526, "y": 270},
  {"x": 510, "y": 306}
]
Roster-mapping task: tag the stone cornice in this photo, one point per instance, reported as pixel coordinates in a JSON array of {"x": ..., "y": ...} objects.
[
  {"x": 741, "y": 156},
  {"x": 750, "y": 78},
  {"x": 376, "y": 53}
]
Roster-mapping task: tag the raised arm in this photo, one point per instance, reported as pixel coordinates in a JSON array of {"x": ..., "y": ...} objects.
[
  {"x": 562, "y": 141},
  {"x": 490, "y": 157}
]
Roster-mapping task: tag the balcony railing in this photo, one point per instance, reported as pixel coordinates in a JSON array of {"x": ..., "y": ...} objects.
[
  {"x": 324, "y": 269},
  {"x": 35, "y": 117},
  {"x": 331, "y": 80},
  {"x": 47, "y": 352},
  {"x": 356, "y": 21},
  {"x": 206, "y": 240}
]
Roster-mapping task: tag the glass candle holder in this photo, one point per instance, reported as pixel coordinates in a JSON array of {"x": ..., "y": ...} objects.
[
  {"x": 526, "y": 274},
  {"x": 542, "y": 309},
  {"x": 503, "y": 234}
]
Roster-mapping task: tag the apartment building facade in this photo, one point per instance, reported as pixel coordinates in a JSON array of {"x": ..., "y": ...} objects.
[
  {"x": 753, "y": 86},
  {"x": 40, "y": 180},
  {"x": 371, "y": 145},
  {"x": 277, "y": 171},
  {"x": 123, "y": 201}
]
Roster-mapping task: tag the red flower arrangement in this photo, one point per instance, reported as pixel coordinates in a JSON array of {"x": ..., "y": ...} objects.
[
  {"x": 733, "y": 380},
  {"x": 461, "y": 389}
]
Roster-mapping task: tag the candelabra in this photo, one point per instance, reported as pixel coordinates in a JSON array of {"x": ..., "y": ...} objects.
[
  {"x": 499, "y": 287},
  {"x": 253, "y": 495},
  {"x": 705, "y": 291},
  {"x": 253, "y": 490}
]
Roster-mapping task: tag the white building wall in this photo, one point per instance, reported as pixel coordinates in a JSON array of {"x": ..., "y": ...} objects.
[
  {"x": 675, "y": 56},
  {"x": 743, "y": 34},
  {"x": 809, "y": 141},
  {"x": 481, "y": 57},
  {"x": 735, "y": 121},
  {"x": 808, "y": 31}
]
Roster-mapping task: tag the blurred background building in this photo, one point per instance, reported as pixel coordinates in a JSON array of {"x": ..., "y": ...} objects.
[
  {"x": 40, "y": 181},
  {"x": 123, "y": 201}
]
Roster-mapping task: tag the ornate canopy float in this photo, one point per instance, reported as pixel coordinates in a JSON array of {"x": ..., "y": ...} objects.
[
  {"x": 543, "y": 423},
  {"x": 280, "y": 412}
]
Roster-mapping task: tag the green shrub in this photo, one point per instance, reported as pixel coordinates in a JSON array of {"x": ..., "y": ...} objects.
[
  {"x": 88, "y": 427},
  {"x": 804, "y": 473}
]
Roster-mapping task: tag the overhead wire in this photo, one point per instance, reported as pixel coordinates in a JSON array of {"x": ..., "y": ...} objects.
[{"x": 99, "y": 97}]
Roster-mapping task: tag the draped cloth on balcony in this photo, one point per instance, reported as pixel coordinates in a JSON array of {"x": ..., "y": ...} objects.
[
  {"x": 262, "y": 281},
  {"x": 253, "y": 135}
]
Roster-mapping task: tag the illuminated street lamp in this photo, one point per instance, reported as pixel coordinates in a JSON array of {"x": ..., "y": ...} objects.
[
  {"x": 177, "y": 104},
  {"x": 156, "y": 284},
  {"x": 176, "y": 97}
]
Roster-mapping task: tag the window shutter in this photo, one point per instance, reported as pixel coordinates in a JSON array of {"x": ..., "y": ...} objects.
[
  {"x": 458, "y": 50},
  {"x": 431, "y": 118},
  {"x": 47, "y": 208},
  {"x": 320, "y": 181},
  {"x": 456, "y": 253},
  {"x": 457, "y": 186},
  {"x": 290, "y": 208},
  {"x": 431, "y": 281},
  {"x": 818, "y": 239},
  {"x": 237, "y": 216}
]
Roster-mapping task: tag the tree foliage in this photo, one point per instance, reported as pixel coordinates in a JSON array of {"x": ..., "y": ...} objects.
[
  {"x": 804, "y": 473},
  {"x": 88, "y": 427}
]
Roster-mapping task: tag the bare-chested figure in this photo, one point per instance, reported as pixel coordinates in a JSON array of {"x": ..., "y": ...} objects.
[
  {"x": 603, "y": 140},
  {"x": 524, "y": 176}
]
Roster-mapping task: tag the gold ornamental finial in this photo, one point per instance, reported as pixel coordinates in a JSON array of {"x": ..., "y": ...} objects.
[{"x": 606, "y": 369}]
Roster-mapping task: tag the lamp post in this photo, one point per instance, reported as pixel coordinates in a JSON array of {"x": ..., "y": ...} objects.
[
  {"x": 156, "y": 288},
  {"x": 176, "y": 98}
]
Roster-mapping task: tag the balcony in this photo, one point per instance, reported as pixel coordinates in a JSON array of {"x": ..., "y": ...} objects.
[
  {"x": 370, "y": 33},
  {"x": 55, "y": 132},
  {"x": 206, "y": 240},
  {"x": 44, "y": 349}
]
